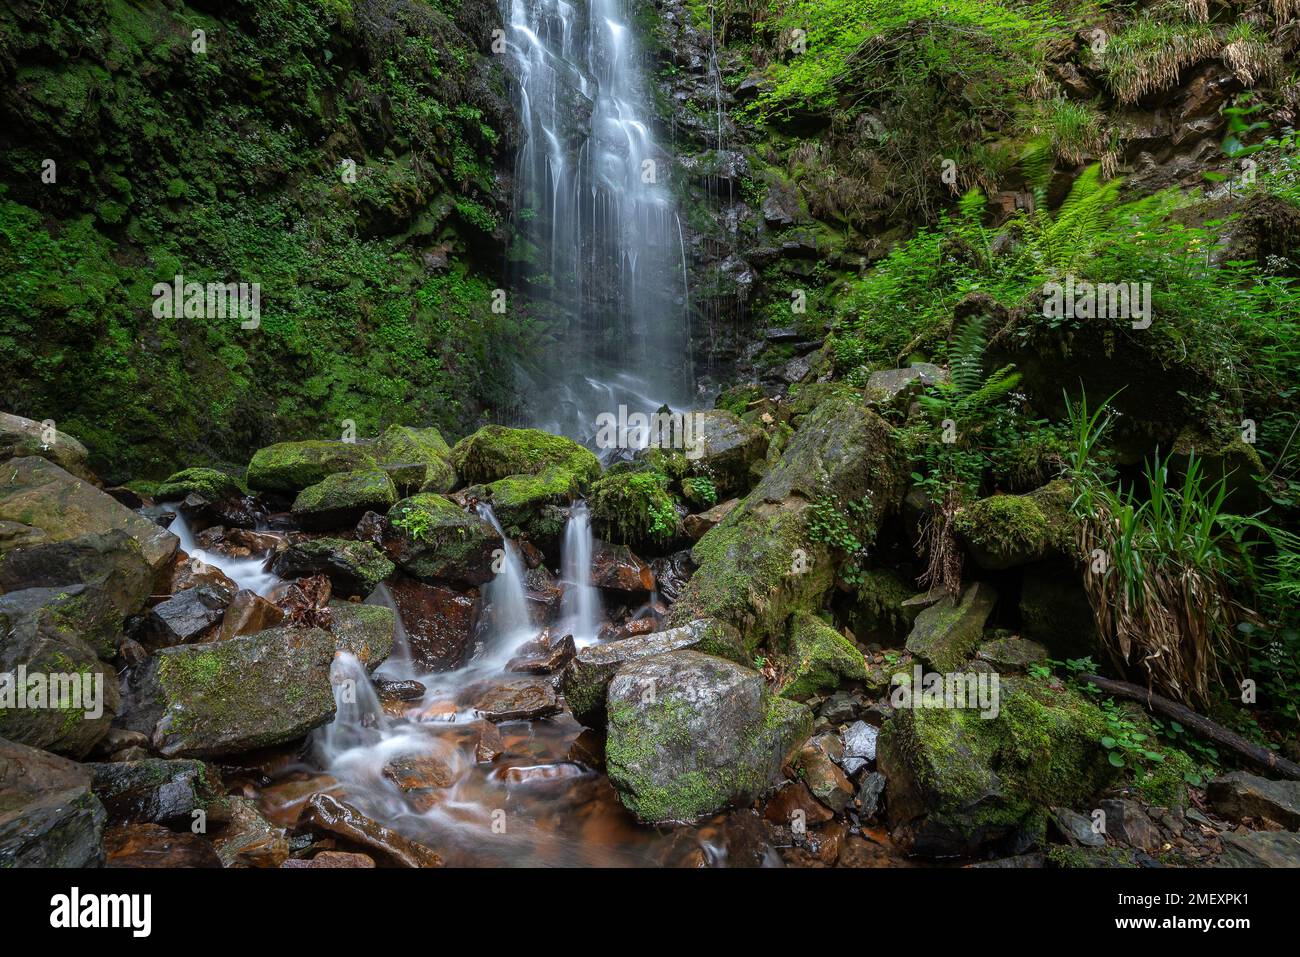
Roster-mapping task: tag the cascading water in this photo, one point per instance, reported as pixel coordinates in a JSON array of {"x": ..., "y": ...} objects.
[
  {"x": 506, "y": 593},
  {"x": 599, "y": 245},
  {"x": 247, "y": 573},
  {"x": 580, "y": 607}
]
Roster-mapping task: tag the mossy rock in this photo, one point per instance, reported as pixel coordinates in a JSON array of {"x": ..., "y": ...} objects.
[
  {"x": 416, "y": 459},
  {"x": 947, "y": 633},
  {"x": 20, "y": 437},
  {"x": 960, "y": 782},
  {"x": 819, "y": 658},
  {"x": 437, "y": 540},
  {"x": 354, "y": 568},
  {"x": 633, "y": 504},
  {"x": 342, "y": 498},
  {"x": 208, "y": 483},
  {"x": 496, "y": 452},
  {"x": 1006, "y": 531},
  {"x": 531, "y": 506},
  {"x": 293, "y": 466},
  {"x": 876, "y": 613},
  {"x": 690, "y": 734}
]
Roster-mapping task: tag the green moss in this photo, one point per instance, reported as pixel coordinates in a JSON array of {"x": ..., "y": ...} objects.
[
  {"x": 496, "y": 452},
  {"x": 632, "y": 504},
  {"x": 293, "y": 466},
  {"x": 347, "y": 491},
  {"x": 416, "y": 458},
  {"x": 1010, "y": 529},
  {"x": 819, "y": 658},
  {"x": 209, "y": 483}
]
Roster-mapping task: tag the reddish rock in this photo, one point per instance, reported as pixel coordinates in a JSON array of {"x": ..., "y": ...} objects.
[
  {"x": 543, "y": 656},
  {"x": 698, "y": 525},
  {"x": 328, "y": 813},
  {"x": 439, "y": 622},
  {"x": 418, "y": 772},
  {"x": 795, "y": 797},
  {"x": 331, "y": 859},
  {"x": 489, "y": 746},
  {"x": 152, "y": 845},
  {"x": 517, "y": 700},
  {"x": 248, "y": 613},
  {"x": 615, "y": 567},
  {"x": 186, "y": 571}
]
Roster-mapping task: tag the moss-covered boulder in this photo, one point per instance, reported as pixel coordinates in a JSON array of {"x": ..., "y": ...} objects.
[
  {"x": 761, "y": 562},
  {"x": 724, "y": 449},
  {"x": 354, "y": 568},
  {"x": 959, "y": 782},
  {"x": 947, "y": 633},
  {"x": 61, "y": 530},
  {"x": 416, "y": 459},
  {"x": 437, "y": 540},
  {"x": 690, "y": 734},
  {"x": 20, "y": 437},
  {"x": 633, "y": 503},
  {"x": 817, "y": 658},
  {"x": 69, "y": 696},
  {"x": 158, "y": 791},
  {"x": 496, "y": 452},
  {"x": 527, "y": 476},
  {"x": 587, "y": 676},
  {"x": 250, "y": 692},
  {"x": 342, "y": 498},
  {"x": 292, "y": 466},
  {"x": 49, "y": 817},
  {"x": 208, "y": 483},
  {"x": 1006, "y": 531}
]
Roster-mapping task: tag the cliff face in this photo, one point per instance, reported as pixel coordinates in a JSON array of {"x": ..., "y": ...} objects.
[{"x": 350, "y": 158}]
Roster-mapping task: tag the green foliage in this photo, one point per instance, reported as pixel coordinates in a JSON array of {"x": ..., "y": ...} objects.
[{"x": 845, "y": 527}]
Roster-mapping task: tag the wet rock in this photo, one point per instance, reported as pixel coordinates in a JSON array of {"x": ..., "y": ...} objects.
[
  {"x": 210, "y": 484},
  {"x": 724, "y": 448},
  {"x": 190, "y": 571},
  {"x": 1076, "y": 829},
  {"x": 341, "y": 499},
  {"x": 419, "y": 772},
  {"x": 184, "y": 618},
  {"x": 840, "y": 708},
  {"x": 819, "y": 658},
  {"x": 247, "y": 614},
  {"x": 293, "y": 466},
  {"x": 1007, "y": 531},
  {"x": 1239, "y": 795},
  {"x": 76, "y": 534},
  {"x": 152, "y": 845},
  {"x": 543, "y": 656},
  {"x": 690, "y": 733},
  {"x": 587, "y": 677},
  {"x": 389, "y": 689},
  {"x": 698, "y": 525},
  {"x": 249, "y": 839},
  {"x": 439, "y": 621},
  {"x": 248, "y": 692},
  {"x": 20, "y": 438},
  {"x": 897, "y": 387},
  {"x": 1261, "y": 849},
  {"x": 1011, "y": 654},
  {"x": 48, "y": 815},
  {"x": 353, "y": 568},
  {"x": 157, "y": 791},
  {"x": 327, "y": 813},
  {"x": 437, "y": 540},
  {"x": 50, "y": 643},
  {"x": 824, "y": 778},
  {"x": 518, "y": 700},
  {"x": 793, "y": 799},
  {"x": 364, "y": 630},
  {"x": 759, "y": 565},
  {"x": 489, "y": 746},
  {"x": 958, "y": 782},
  {"x": 331, "y": 859},
  {"x": 416, "y": 459},
  {"x": 947, "y": 633},
  {"x": 860, "y": 741},
  {"x": 672, "y": 572},
  {"x": 615, "y": 567},
  {"x": 870, "y": 790}
]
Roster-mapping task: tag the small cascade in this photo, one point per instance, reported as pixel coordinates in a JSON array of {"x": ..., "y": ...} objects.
[
  {"x": 250, "y": 573},
  {"x": 398, "y": 664},
  {"x": 359, "y": 719},
  {"x": 580, "y": 607},
  {"x": 506, "y": 593}
]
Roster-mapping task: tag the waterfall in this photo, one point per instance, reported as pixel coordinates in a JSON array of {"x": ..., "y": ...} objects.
[
  {"x": 359, "y": 719},
  {"x": 247, "y": 573},
  {"x": 605, "y": 256},
  {"x": 580, "y": 607},
  {"x": 506, "y": 592}
]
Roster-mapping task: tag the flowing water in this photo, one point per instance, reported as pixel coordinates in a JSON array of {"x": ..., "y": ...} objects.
[
  {"x": 247, "y": 572},
  {"x": 599, "y": 248}
]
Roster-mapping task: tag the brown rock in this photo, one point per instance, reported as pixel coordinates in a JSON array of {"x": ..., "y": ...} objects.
[
  {"x": 420, "y": 772},
  {"x": 248, "y": 613},
  {"x": 698, "y": 525},
  {"x": 489, "y": 746},
  {"x": 439, "y": 622},
  {"x": 331, "y": 859},
  {"x": 543, "y": 656},
  {"x": 795, "y": 797},
  {"x": 615, "y": 567},
  {"x": 152, "y": 845},
  {"x": 343, "y": 820},
  {"x": 518, "y": 700}
]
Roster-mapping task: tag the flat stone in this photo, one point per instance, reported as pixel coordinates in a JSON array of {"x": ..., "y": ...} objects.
[
  {"x": 1261, "y": 849},
  {"x": 337, "y": 817},
  {"x": 518, "y": 700},
  {"x": 1240, "y": 795},
  {"x": 947, "y": 633}
]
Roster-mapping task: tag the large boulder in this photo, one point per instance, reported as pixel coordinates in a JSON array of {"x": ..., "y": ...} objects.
[
  {"x": 760, "y": 563},
  {"x": 251, "y": 691},
  {"x": 947, "y": 633},
  {"x": 724, "y": 448},
  {"x": 292, "y": 466},
  {"x": 207, "y": 483},
  {"x": 818, "y": 658},
  {"x": 1239, "y": 794},
  {"x": 1006, "y": 531},
  {"x": 690, "y": 734},
  {"x": 342, "y": 498},
  {"x": 961, "y": 779},
  {"x": 65, "y": 697},
  {"x": 416, "y": 459},
  {"x": 157, "y": 791},
  {"x": 354, "y": 568},
  {"x": 61, "y": 530},
  {"x": 48, "y": 815},
  {"x": 21, "y": 437},
  {"x": 437, "y": 540},
  {"x": 587, "y": 677},
  {"x": 527, "y": 476}
]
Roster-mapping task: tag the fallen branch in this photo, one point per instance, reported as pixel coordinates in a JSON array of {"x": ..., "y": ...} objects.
[{"x": 1255, "y": 754}]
